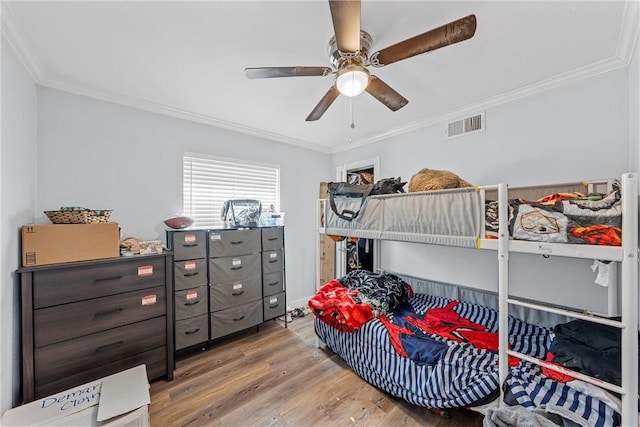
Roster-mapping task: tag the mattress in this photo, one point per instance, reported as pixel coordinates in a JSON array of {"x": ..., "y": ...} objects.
[{"x": 465, "y": 376}]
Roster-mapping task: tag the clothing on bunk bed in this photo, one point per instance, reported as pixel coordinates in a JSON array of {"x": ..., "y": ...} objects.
[
  {"x": 411, "y": 342},
  {"x": 535, "y": 417},
  {"x": 349, "y": 302},
  {"x": 590, "y": 348},
  {"x": 409, "y": 332}
]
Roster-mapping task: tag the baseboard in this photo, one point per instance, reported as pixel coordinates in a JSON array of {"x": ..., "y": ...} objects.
[{"x": 304, "y": 302}]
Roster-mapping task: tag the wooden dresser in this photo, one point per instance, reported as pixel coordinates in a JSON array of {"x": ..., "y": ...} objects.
[{"x": 82, "y": 321}]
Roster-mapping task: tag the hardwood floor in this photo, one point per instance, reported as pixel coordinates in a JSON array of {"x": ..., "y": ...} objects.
[{"x": 278, "y": 377}]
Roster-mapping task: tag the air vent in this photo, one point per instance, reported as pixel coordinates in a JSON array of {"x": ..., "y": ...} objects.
[{"x": 466, "y": 126}]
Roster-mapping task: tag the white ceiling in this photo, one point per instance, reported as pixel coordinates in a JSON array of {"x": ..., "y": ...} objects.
[{"x": 186, "y": 58}]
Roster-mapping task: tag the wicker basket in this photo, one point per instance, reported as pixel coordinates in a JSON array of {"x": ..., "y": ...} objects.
[{"x": 78, "y": 216}]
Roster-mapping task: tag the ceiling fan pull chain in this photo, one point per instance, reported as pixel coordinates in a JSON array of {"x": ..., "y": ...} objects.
[{"x": 353, "y": 125}]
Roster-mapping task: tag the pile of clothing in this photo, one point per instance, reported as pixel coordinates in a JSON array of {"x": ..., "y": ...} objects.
[{"x": 349, "y": 302}]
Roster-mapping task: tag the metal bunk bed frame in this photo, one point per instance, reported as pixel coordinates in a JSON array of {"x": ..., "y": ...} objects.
[{"x": 626, "y": 255}]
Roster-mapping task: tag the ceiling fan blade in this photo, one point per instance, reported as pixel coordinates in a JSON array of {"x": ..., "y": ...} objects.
[
  {"x": 346, "y": 24},
  {"x": 453, "y": 32},
  {"x": 385, "y": 94},
  {"x": 324, "y": 104},
  {"x": 270, "y": 72}
]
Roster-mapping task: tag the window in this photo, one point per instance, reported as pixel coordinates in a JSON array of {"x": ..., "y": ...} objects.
[{"x": 209, "y": 181}]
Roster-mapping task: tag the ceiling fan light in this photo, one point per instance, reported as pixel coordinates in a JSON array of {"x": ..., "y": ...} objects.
[{"x": 352, "y": 80}]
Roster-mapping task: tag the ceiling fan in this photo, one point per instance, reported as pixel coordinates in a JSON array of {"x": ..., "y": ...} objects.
[{"x": 349, "y": 56}]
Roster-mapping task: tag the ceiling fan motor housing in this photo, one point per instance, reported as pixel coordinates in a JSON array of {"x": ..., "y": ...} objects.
[{"x": 340, "y": 59}]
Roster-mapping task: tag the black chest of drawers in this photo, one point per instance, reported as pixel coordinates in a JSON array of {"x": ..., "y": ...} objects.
[
  {"x": 226, "y": 280},
  {"x": 82, "y": 321}
]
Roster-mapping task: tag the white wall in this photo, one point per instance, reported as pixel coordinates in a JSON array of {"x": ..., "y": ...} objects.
[
  {"x": 565, "y": 134},
  {"x": 105, "y": 156},
  {"x": 573, "y": 133},
  {"x": 17, "y": 200},
  {"x": 634, "y": 108}
]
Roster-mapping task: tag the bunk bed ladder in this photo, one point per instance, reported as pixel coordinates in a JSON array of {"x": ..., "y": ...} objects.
[
  {"x": 629, "y": 315},
  {"x": 503, "y": 286},
  {"x": 629, "y": 307}
]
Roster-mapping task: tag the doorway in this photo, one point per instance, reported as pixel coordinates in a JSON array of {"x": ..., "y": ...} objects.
[{"x": 355, "y": 253}]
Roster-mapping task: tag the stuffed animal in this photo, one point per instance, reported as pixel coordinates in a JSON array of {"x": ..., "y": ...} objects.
[
  {"x": 433, "y": 179},
  {"x": 132, "y": 244}
]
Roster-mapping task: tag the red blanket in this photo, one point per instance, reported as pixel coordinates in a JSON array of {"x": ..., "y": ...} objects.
[{"x": 336, "y": 305}]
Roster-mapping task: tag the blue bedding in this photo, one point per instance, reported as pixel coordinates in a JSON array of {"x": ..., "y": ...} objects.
[{"x": 465, "y": 376}]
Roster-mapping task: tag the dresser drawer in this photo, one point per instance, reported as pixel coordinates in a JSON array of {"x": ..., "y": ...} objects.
[
  {"x": 273, "y": 283},
  {"x": 236, "y": 319},
  {"x": 234, "y": 242},
  {"x": 235, "y": 293},
  {"x": 272, "y": 238},
  {"x": 189, "y": 244},
  {"x": 190, "y": 273},
  {"x": 230, "y": 269},
  {"x": 274, "y": 306},
  {"x": 272, "y": 261},
  {"x": 192, "y": 331},
  {"x": 65, "y": 285},
  {"x": 74, "y": 356},
  {"x": 63, "y": 322},
  {"x": 190, "y": 302},
  {"x": 155, "y": 361}
]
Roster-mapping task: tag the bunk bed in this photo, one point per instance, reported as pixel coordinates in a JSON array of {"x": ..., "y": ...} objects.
[{"x": 487, "y": 218}]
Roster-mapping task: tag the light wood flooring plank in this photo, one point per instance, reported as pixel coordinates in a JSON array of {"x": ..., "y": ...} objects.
[{"x": 279, "y": 377}]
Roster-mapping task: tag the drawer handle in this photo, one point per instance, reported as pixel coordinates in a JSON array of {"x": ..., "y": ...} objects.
[
  {"x": 235, "y": 294},
  {"x": 271, "y": 261},
  {"x": 108, "y": 346},
  {"x": 192, "y": 303},
  {"x": 191, "y": 332},
  {"x": 273, "y": 283},
  {"x": 239, "y": 319},
  {"x": 190, "y": 245},
  {"x": 237, "y": 242},
  {"x": 274, "y": 306},
  {"x": 236, "y": 268},
  {"x": 272, "y": 238},
  {"x": 191, "y": 274},
  {"x": 109, "y": 312},
  {"x": 104, "y": 279}
]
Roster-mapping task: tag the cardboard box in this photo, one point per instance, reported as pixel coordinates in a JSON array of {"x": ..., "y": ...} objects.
[
  {"x": 44, "y": 244},
  {"x": 120, "y": 399}
]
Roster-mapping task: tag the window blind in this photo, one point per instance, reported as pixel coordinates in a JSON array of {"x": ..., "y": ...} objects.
[{"x": 210, "y": 181}]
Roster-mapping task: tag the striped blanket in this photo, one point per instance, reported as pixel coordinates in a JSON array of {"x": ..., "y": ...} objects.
[{"x": 465, "y": 376}]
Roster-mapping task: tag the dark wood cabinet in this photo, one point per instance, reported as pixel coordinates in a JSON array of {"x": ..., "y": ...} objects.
[{"x": 82, "y": 321}]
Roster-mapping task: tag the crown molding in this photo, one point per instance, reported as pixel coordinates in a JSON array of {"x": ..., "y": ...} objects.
[
  {"x": 20, "y": 44},
  {"x": 629, "y": 31},
  {"x": 557, "y": 81},
  {"x": 526, "y": 91},
  {"x": 178, "y": 113}
]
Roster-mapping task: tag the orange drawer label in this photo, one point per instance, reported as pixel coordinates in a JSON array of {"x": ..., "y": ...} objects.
[
  {"x": 149, "y": 300},
  {"x": 145, "y": 270},
  {"x": 189, "y": 238},
  {"x": 190, "y": 265},
  {"x": 192, "y": 295}
]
